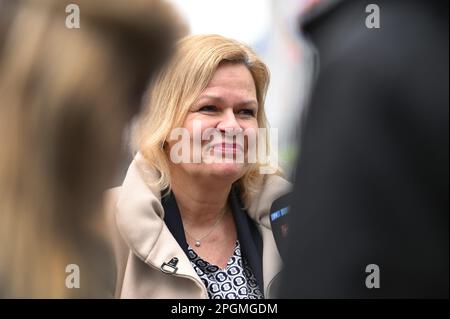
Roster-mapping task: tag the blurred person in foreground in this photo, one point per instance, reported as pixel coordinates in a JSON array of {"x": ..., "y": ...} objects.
[
  {"x": 200, "y": 229},
  {"x": 65, "y": 96},
  {"x": 372, "y": 177}
]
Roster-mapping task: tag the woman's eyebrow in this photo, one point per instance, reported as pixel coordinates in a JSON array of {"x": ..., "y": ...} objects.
[{"x": 222, "y": 100}]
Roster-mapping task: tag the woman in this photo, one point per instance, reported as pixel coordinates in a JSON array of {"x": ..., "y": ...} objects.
[
  {"x": 65, "y": 96},
  {"x": 199, "y": 228}
]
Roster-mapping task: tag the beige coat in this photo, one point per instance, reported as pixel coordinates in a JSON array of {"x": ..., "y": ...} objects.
[{"x": 142, "y": 241}]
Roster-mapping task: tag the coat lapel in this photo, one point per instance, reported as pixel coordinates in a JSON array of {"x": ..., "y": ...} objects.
[{"x": 248, "y": 235}]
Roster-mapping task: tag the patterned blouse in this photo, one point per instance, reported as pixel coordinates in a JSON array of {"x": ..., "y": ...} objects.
[{"x": 235, "y": 281}]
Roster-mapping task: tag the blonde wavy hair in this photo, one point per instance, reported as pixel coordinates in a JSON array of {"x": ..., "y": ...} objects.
[{"x": 177, "y": 88}]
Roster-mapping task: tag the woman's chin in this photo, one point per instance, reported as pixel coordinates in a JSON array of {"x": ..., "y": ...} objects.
[{"x": 232, "y": 171}]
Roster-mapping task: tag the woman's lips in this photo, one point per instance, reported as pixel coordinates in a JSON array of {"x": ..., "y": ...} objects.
[{"x": 228, "y": 148}]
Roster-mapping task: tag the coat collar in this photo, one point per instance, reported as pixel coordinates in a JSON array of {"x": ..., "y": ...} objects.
[
  {"x": 248, "y": 235},
  {"x": 140, "y": 221}
]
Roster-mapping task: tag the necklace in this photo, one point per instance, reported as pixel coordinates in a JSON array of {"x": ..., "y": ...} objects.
[{"x": 198, "y": 241}]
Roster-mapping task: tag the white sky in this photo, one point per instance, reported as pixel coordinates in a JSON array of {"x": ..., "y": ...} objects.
[{"x": 243, "y": 20}]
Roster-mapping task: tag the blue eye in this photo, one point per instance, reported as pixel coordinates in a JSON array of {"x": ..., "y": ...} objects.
[
  {"x": 207, "y": 108},
  {"x": 247, "y": 112}
]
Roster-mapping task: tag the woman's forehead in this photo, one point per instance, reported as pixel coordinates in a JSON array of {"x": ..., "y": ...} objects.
[
  {"x": 231, "y": 78},
  {"x": 243, "y": 98}
]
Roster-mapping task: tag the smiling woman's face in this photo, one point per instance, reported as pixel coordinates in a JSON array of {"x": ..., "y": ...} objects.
[{"x": 228, "y": 104}]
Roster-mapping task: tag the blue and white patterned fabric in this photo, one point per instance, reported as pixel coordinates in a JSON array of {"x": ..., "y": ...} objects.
[{"x": 235, "y": 281}]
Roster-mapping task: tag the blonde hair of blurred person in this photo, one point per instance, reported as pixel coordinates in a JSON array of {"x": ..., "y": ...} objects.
[
  {"x": 65, "y": 96},
  {"x": 164, "y": 208}
]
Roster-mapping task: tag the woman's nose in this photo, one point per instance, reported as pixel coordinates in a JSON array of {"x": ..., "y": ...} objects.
[{"x": 228, "y": 121}]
